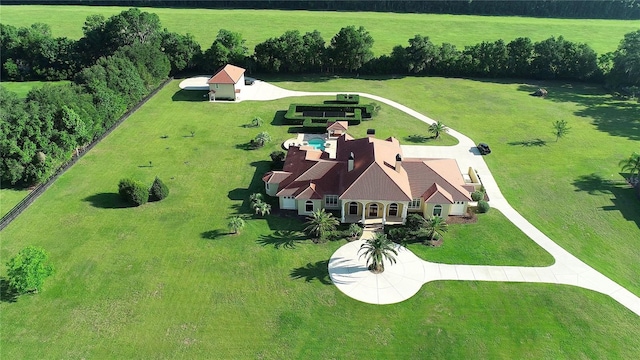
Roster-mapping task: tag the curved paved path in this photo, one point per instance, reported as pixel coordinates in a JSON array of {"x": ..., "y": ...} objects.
[{"x": 567, "y": 269}]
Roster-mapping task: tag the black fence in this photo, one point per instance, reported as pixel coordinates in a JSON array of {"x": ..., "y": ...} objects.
[{"x": 35, "y": 193}]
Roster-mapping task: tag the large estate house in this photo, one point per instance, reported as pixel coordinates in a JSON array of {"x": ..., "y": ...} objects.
[
  {"x": 227, "y": 83},
  {"x": 368, "y": 180}
]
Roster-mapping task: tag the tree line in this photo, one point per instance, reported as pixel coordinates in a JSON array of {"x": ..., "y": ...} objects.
[
  {"x": 595, "y": 9},
  {"x": 118, "y": 60}
]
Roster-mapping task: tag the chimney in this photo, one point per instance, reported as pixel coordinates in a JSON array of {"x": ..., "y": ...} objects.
[
  {"x": 350, "y": 162},
  {"x": 371, "y": 132},
  {"x": 398, "y": 162}
]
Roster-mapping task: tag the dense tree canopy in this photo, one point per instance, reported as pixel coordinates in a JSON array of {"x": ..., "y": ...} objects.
[
  {"x": 626, "y": 61},
  {"x": 350, "y": 49}
]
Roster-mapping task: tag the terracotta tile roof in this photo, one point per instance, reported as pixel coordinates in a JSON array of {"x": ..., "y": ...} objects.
[
  {"x": 229, "y": 74},
  {"x": 423, "y": 173},
  {"x": 338, "y": 125},
  {"x": 310, "y": 174},
  {"x": 437, "y": 195}
]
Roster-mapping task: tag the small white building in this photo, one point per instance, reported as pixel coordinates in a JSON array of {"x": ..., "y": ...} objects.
[{"x": 227, "y": 83}]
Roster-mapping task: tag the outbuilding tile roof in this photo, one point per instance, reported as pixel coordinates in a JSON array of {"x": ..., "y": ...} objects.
[{"x": 229, "y": 74}]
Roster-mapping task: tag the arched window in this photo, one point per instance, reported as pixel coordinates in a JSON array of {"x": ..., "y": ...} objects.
[
  {"x": 353, "y": 208},
  {"x": 373, "y": 210},
  {"x": 393, "y": 209},
  {"x": 309, "y": 206},
  {"x": 437, "y": 210}
]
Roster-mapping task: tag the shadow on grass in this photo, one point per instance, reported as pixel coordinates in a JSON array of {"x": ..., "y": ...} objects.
[
  {"x": 278, "y": 118},
  {"x": 418, "y": 139},
  {"x": 316, "y": 78},
  {"x": 256, "y": 186},
  {"x": 624, "y": 198},
  {"x": 107, "y": 201},
  {"x": 214, "y": 234},
  {"x": 246, "y": 146},
  {"x": 610, "y": 114},
  {"x": 286, "y": 239},
  {"x": 190, "y": 95},
  {"x": 537, "y": 142},
  {"x": 7, "y": 293},
  {"x": 317, "y": 271}
]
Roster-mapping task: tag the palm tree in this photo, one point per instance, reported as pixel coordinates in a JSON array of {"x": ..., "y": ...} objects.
[
  {"x": 256, "y": 122},
  {"x": 632, "y": 165},
  {"x": 435, "y": 227},
  {"x": 255, "y": 197},
  {"x": 262, "y": 138},
  {"x": 376, "y": 250},
  {"x": 437, "y": 128},
  {"x": 262, "y": 208},
  {"x": 236, "y": 224},
  {"x": 320, "y": 222},
  {"x": 560, "y": 129}
]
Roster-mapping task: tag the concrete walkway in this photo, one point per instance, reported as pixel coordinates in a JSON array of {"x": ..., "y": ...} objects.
[{"x": 567, "y": 269}]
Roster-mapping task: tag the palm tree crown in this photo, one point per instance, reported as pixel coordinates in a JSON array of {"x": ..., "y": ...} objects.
[
  {"x": 631, "y": 164},
  {"x": 437, "y": 128},
  {"x": 435, "y": 226},
  {"x": 320, "y": 222},
  {"x": 236, "y": 224},
  {"x": 376, "y": 250}
]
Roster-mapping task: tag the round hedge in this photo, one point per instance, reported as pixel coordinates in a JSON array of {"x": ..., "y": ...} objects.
[
  {"x": 477, "y": 195},
  {"x": 483, "y": 206},
  {"x": 133, "y": 192},
  {"x": 158, "y": 190}
]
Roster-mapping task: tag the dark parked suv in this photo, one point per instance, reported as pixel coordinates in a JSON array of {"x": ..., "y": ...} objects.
[{"x": 484, "y": 149}]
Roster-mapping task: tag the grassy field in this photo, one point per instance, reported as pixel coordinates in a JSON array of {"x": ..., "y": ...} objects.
[
  {"x": 166, "y": 280},
  {"x": 571, "y": 189},
  {"x": 9, "y": 198},
  {"x": 492, "y": 240},
  {"x": 387, "y": 29},
  {"x": 22, "y": 88}
]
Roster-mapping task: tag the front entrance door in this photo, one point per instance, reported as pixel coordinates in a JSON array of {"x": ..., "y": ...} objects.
[{"x": 373, "y": 210}]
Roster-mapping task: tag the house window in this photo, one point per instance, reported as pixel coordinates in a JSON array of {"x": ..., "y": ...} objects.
[
  {"x": 414, "y": 204},
  {"x": 216, "y": 86},
  {"x": 373, "y": 210},
  {"x": 267, "y": 186},
  {"x": 309, "y": 206},
  {"x": 393, "y": 210},
  {"x": 437, "y": 210},
  {"x": 331, "y": 200},
  {"x": 353, "y": 208}
]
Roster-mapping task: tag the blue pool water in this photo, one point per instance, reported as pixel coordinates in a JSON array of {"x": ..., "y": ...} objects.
[{"x": 318, "y": 144}]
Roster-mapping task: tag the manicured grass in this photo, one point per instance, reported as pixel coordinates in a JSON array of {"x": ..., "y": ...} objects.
[
  {"x": 10, "y": 198},
  {"x": 492, "y": 240},
  {"x": 570, "y": 189},
  {"x": 23, "y": 88},
  {"x": 166, "y": 280},
  {"x": 387, "y": 29}
]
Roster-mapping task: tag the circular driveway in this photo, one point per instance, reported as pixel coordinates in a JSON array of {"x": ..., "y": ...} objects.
[{"x": 397, "y": 283}]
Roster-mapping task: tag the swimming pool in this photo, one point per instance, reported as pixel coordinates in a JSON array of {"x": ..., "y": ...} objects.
[{"x": 317, "y": 143}]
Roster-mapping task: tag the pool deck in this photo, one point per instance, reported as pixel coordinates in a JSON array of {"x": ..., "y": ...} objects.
[{"x": 330, "y": 145}]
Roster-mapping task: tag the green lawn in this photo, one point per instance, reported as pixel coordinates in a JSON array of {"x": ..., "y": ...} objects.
[
  {"x": 10, "y": 198},
  {"x": 571, "y": 189},
  {"x": 387, "y": 29},
  {"x": 492, "y": 240},
  {"x": 22, "y": 88},
  {"x": 165, "y": 280}
]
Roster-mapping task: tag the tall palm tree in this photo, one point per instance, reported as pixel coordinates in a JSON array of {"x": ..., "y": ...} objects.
[
  {"x": 437, "y": 128},
  {"x": 236, "y": 224},
  {"x": 320, "y": 222},
  {"x": 632, "y": 165},
  {"x": 436, "y": 226},
  {"x": 376, "y": 250},
  {"x": 255, "y": 197}
]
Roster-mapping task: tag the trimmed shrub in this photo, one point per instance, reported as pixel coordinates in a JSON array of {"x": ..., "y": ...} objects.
[
  {"x": 483, "y": 206},
  {"x": 355, "y": 231},
  {"x": 158, "y": 190},
  {"x": 133, "y": 192},
  {"x": 477, "y": 195},
  {"x": 414, "y": 222},
  {"x": 397, "y": 234}
]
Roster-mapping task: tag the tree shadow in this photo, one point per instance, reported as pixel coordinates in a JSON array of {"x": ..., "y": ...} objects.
[
  {"x": 417, "y": 138},
  {"x": 286, "y": 239},
  {"x": 7, "y": 293},
  {"x": 247, "y": 146},
  {"x": 107, "y": 201},
  {"x": 624, "y": 198},
  {"x": 213, "y": 234},
  {"x": 256, "y": 186},
  {"x": 190, "y": 95},
  {"x": 317, "y": 271},
  {"x": 607, "y": 112},
  {"x": 529, "y": 143}
]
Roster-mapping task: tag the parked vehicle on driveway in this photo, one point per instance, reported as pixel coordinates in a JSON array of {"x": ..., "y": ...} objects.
[{"x": 484, "y": 149}]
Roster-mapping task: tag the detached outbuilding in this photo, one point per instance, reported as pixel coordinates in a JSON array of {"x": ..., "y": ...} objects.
[{"x": 227, "y": 83}]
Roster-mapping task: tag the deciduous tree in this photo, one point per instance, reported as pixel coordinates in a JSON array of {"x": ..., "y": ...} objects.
[{"x": 28, "y": 270}]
